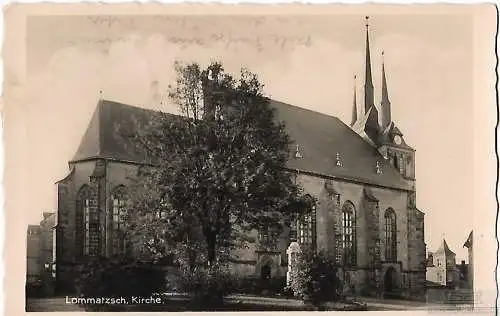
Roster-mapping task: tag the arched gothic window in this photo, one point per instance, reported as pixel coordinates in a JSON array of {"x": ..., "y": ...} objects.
[
  {"x": 86, "y": 224},
  {"x": 348, "y": 238},
  {"x": 118, "y": 212},
  {"x": 267, "y": 238},
  {"x": 390, "y": 235},
  {"x": 306, "y": 227}
]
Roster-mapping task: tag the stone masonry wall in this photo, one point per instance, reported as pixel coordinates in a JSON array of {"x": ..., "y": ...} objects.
[{"x": 328, "y": 218}]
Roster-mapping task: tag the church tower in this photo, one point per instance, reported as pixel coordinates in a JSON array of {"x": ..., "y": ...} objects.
[
  {"x": 367, "y": 125},
  {"x": 386, "y": 137},
  {"x": 391, "y": 142}
]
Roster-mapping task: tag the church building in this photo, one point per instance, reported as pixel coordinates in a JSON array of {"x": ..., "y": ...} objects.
[{"x": 360, "y": 175}]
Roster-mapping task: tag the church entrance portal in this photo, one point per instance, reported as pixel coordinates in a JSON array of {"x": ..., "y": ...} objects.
[
  {"x": 390, "y": 282},
  {"x": 265, "y": 272}
]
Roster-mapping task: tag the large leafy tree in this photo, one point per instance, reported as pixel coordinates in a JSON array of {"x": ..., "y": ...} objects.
[{"x": 218, "y": 167}]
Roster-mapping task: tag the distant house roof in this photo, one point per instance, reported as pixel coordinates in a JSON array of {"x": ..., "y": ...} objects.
[
  {"x": 321, "y": 140},
  {"x": 444, "y": 248}
]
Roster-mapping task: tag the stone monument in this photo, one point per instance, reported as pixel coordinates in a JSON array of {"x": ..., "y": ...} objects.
[{"x": 292, "y": 252}]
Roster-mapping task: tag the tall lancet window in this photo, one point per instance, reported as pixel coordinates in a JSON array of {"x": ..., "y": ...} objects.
[
  {"x": 118, "y": 206},
  {"x": 86, "y": 224},
  {"x": 348, "y": 241},
  {"x": 390, "y": 235},
  {"x": 306, "y": 227}
]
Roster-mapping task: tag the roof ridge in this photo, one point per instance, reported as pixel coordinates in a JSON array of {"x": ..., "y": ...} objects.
[
  {"x": 321, "y": 135},
  {"x": 302, "y": 109}
]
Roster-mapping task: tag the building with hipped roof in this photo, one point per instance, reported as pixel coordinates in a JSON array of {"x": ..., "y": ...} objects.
[
  {"x": 442, "y": 267},
  {"x": 361, "y": 177}
]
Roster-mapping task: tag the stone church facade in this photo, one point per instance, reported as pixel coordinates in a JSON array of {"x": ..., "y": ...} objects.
[{"x": 361, "y": 177}]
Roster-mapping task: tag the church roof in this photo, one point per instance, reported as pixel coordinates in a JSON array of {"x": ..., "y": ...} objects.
[
  {"x": 106, "y": 133},
  {"x": 319, "y": 138}
]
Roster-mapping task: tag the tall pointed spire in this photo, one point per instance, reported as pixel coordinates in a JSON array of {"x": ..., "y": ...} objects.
[
  {"x": 372, "y": 127},
  {"x": 354, "y": 106},
  {"x": 368, "y": 73},
  {"x": 385, "y": 104}
]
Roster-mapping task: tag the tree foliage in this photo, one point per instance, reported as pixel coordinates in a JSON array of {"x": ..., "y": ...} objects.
[
  {"x": 219, "y": 168},
  {"x": 117, "y": 277},
  {"x": 315, "y": 278}
]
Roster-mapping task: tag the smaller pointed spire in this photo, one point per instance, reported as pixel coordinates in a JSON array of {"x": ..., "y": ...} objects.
[
  {"x": 385, "y": 103},
  {"x": 354, "y": 106}
]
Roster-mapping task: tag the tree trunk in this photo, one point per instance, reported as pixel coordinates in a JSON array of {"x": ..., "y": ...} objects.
[{"x": 211, "y": 247}]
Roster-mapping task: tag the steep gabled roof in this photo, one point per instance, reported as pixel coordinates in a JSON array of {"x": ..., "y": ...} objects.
[
  {"x": 444, "y": 248},
  {"x": 320, "y": 137},
  {"x": 107, "y": 134}
]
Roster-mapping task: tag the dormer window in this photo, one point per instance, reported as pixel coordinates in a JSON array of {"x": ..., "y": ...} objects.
[
  {"x": 298, "y": 155},
  {"x": 338, "y": 162},
  {"x": 337, "y": 199},
  {"x": 378, "y": 169}
]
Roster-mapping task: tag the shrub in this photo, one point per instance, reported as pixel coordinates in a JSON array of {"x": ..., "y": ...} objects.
[
  {"x": 258, "y": 286},
  {"x": 315, "y": 279},
  {"x": 119, "y": 277},
  {"x": 207, "y": 286}
]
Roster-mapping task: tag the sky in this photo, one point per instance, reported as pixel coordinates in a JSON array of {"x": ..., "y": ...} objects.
[{"x": 306, "y": 60}]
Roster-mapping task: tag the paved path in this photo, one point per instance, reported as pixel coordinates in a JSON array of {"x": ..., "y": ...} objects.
[
  {"x": 59, "y": 303},
  {"x": 372, "y": 303}
]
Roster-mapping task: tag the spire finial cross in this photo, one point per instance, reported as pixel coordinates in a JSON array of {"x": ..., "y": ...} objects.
[{"x": 367, "y": 20}]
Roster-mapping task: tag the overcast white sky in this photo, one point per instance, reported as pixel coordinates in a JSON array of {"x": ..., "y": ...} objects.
[{"x": 308, "y": 61}]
